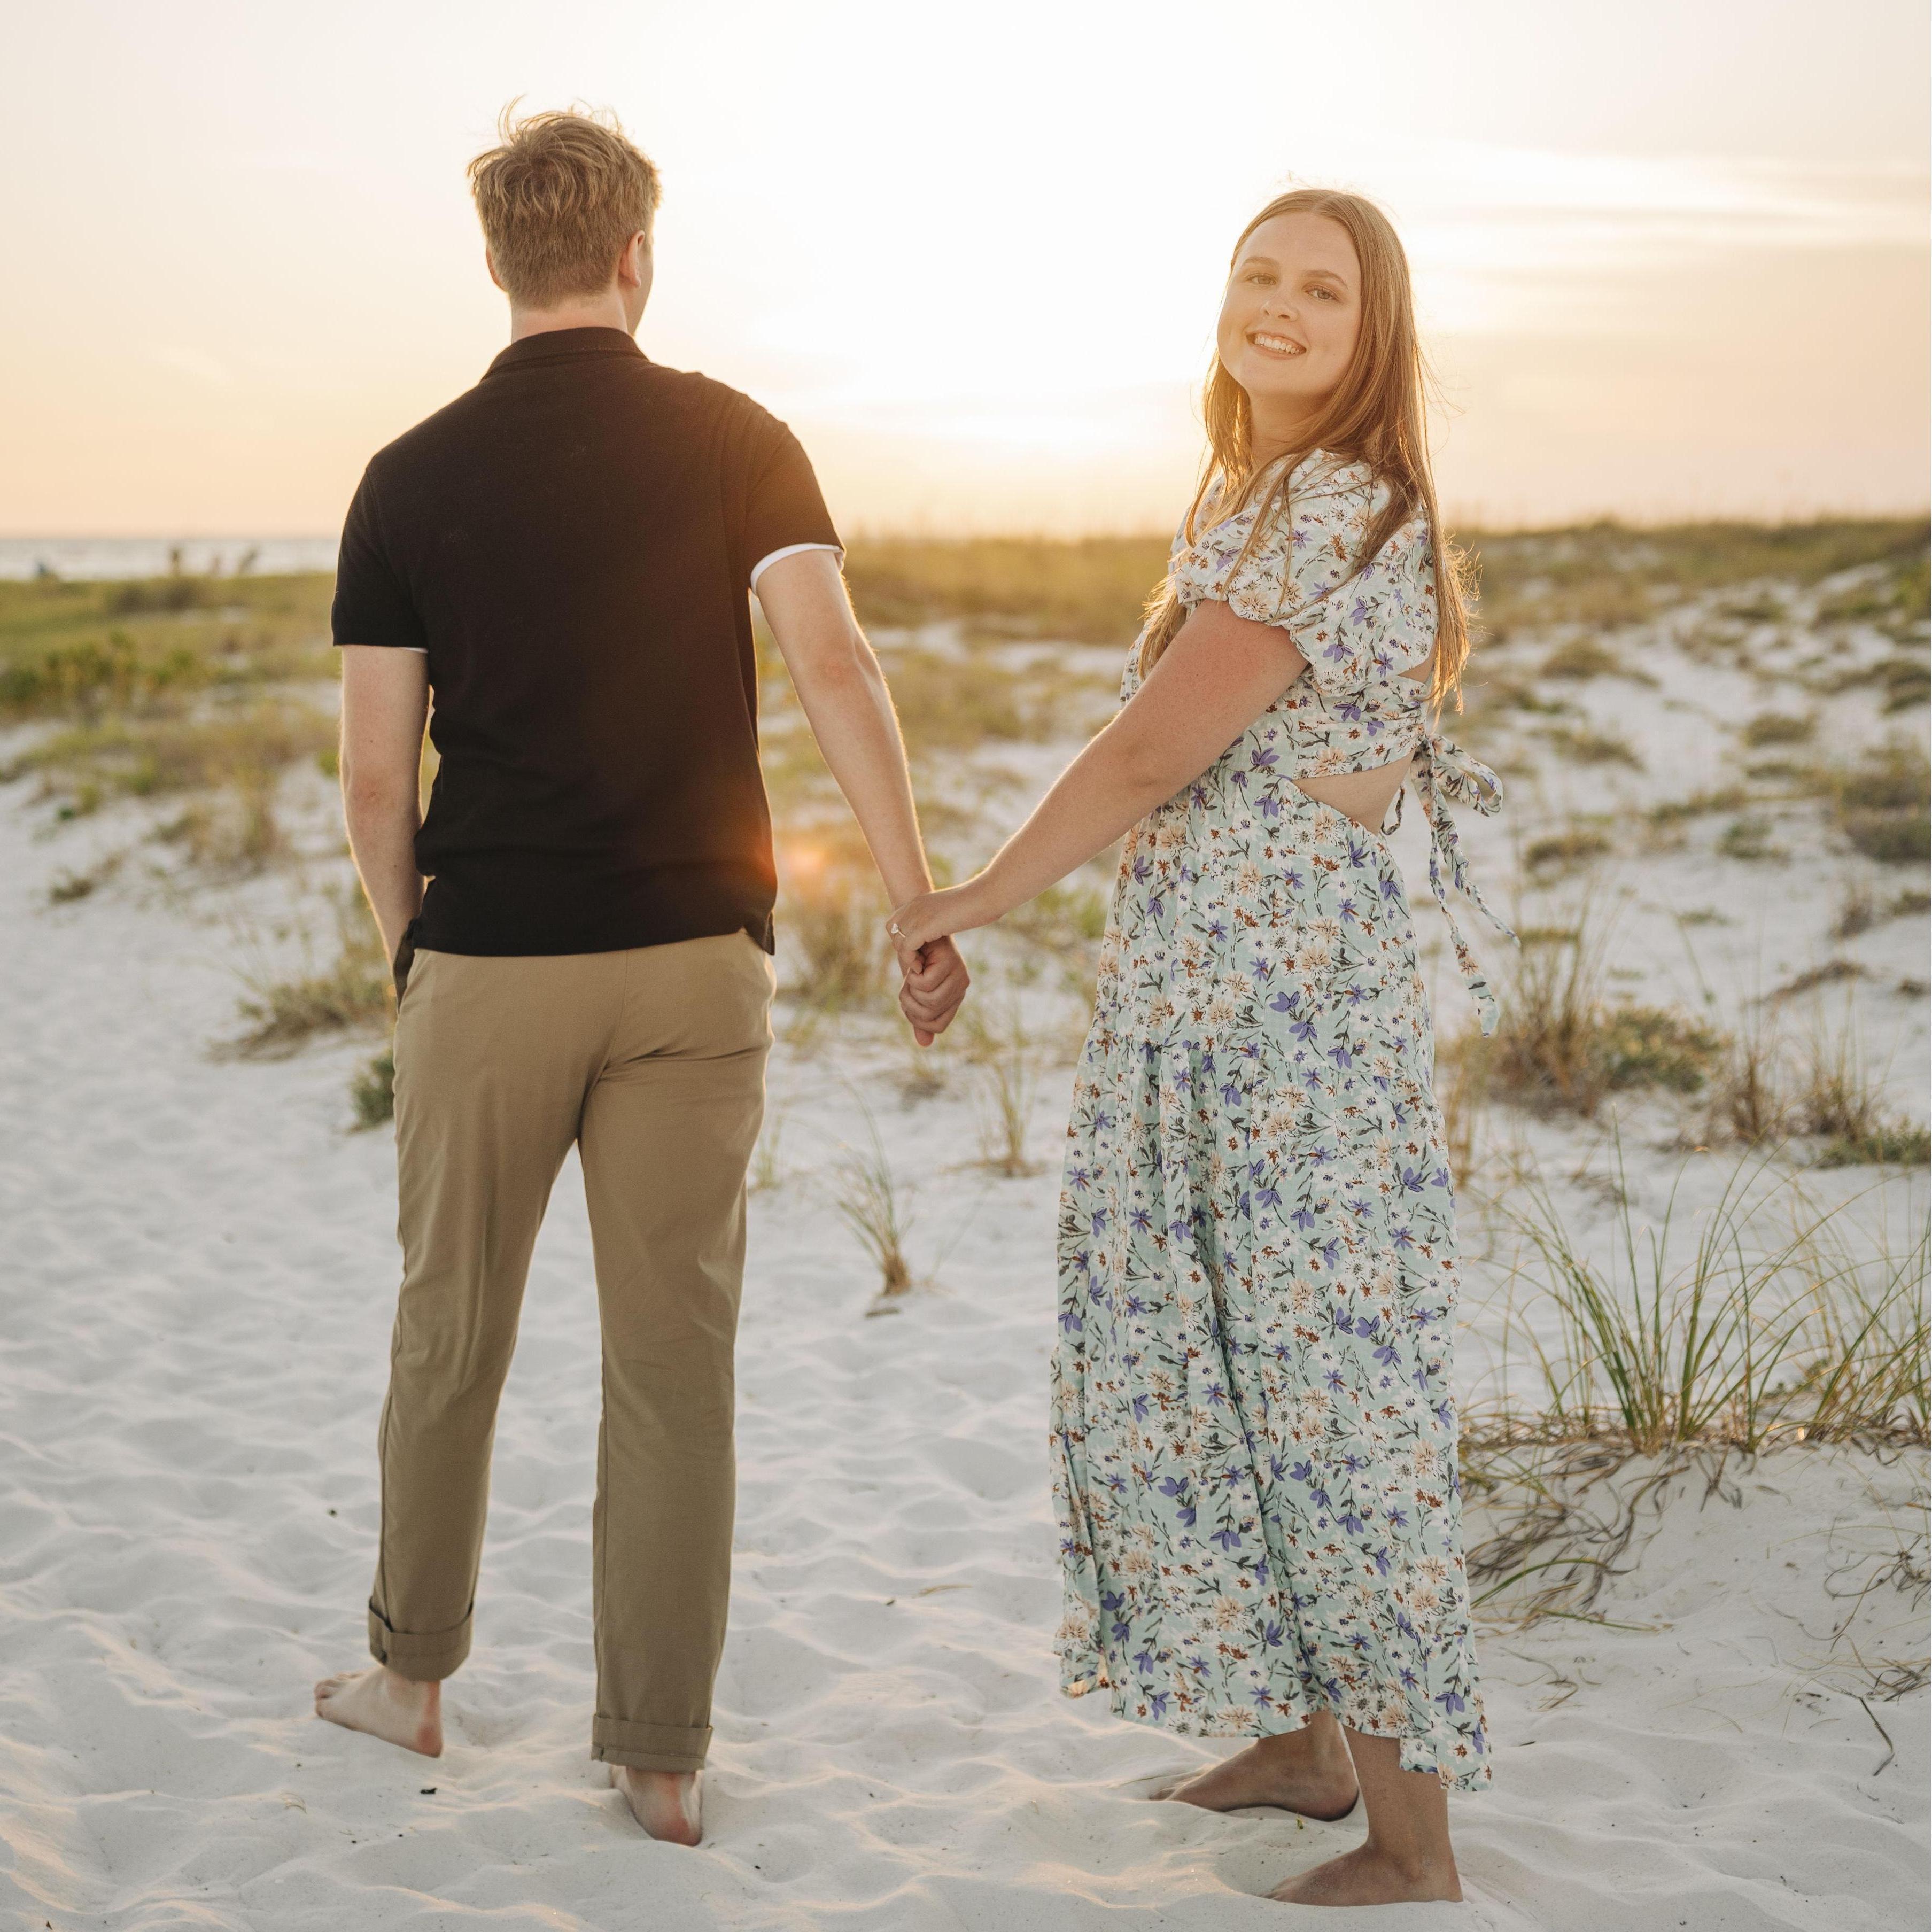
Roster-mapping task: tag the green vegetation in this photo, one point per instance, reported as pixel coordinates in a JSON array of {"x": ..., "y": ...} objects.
[
  {"x": 1002, "y": 1052},
  {"x": 1898, "y": 1145},
  {"x": 1584, "y": 658},
  {"x": 75, "y": 649},
  {"x": 174, "y": 686},
  {"x": 1563, "y": 1045},
  {"x": 1771, "y": 728},
  {"x": 373, "y": 1091},
  {"x": 1676, "y": 811},
  {"x": 1563, "y": 851},
  {"x": 866, "y": 1197},
  {"x": 1090, "y": 589},
  {"x": 1881, "y": 804},
  {"x": 1861, "y": 909},
  {"x": 1735, "y": 1341},
  {"x": 1068, "y": 921},
  {"x": 1771, "y": 1088},
  {"x": 831, "y": 918},
  {"x": 1583, "y": 746},
  {"x": 354, "y": 989},
  {"x": 1749, "y": 838},
  {"x": 1607, "y": 574}
]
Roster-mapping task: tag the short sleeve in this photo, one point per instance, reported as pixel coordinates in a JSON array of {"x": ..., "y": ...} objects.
[
  {"x": 373, "y": 605},
  {"x": 784, "y": 509},
  {"x": 1303, "y": 572}
]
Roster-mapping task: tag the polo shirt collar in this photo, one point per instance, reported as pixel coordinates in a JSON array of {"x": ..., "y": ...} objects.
[{"x": 565, "y": 345}]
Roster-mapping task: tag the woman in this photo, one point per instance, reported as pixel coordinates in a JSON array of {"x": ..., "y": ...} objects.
[{"x": 1255, "y": 1438}]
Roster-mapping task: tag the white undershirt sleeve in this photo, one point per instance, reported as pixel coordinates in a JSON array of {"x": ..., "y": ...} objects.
[{"x": 764, "y": 563}]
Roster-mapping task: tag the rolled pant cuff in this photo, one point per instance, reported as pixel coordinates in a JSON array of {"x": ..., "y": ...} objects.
[
  {"x": 423, "y": 1656},
  {"x": 650, "y": 1747}
]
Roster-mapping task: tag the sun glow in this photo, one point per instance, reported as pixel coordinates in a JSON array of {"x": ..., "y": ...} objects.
[{"x": 978, "y": 271}]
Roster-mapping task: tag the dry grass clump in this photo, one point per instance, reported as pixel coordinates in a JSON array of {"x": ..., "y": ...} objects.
[
  {"x": 1067, "y": 923},
  {"x": 1894, "y": 596},
  {"x": 1463, "y": 1094},
  {"x": 1749, "y": 838},
  {"x": 1563, "y": 1045},
  {"x": 1771, "y": 1088},
  {"x": 950, "y": 704},
  {"x": 1004, "y": 1054},
  {"x": 1861, "y": 909},
  {"x": 1881, "y": 804},
  {"x": 1904, "y": 679},
  {"x": 866, "y": 1193},
  {"x": 1583, "y": 746},
  {"x": 1675, "y": 811},
  {"x": 1772, "y": 727},
  {"x": 169, "y": 698},
  {"x": 240, "y": 747},
  {"x": 1564, "y": 851},
  {"x": 354, "y": 989},
  {"x": 1583, "y": 658}
]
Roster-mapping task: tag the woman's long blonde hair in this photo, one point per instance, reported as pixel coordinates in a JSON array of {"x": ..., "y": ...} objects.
[{"x": 1377, "y": 415}]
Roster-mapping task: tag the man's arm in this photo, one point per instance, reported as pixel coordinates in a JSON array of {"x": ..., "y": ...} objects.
[
  {"x": 843, "y": 690},
  {"x": 385, "y": 705}
]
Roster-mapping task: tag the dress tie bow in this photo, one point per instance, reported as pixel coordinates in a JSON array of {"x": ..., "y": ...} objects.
[{"x": 1444, "y": 771}]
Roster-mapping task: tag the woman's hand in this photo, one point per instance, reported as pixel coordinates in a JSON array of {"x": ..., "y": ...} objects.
[{"x": 936, "y": 916}]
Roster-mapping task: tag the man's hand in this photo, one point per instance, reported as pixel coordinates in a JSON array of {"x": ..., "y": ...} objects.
[{"x": 934, "y": 985}]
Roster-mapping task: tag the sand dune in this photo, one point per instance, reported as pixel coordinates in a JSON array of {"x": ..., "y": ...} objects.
[{"x": 199, "y": 1275}]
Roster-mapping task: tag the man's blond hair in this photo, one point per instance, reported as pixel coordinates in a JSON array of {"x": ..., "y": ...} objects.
[{"x": 559, "y": 199}]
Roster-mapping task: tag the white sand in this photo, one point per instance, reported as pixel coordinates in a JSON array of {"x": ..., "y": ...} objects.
[{"x": 199, "y": 1272}]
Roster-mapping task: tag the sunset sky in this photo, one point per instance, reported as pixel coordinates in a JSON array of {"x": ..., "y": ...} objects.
[{"x": 1671, "y": 258}]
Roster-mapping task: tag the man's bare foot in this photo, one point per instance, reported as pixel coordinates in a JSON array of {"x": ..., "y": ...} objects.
[
  {"x": 1297, "y": 1771},
  {"x": 1368, "y": 1876},
  {"x": 397, "y": 1709},
  {"x": 669, "y": 1804}
]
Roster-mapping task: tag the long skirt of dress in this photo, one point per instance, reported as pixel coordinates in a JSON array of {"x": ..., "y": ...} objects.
[{"x": 1254, "y": 1436}]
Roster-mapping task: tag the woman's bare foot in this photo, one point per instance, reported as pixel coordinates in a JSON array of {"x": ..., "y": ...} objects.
[
  {"x": 397, "y": 1709},
  {"x": 669, "y": 1804},
  {"x": 1368, "y": 1876},
  {"x": 1308, "y": 1770}
]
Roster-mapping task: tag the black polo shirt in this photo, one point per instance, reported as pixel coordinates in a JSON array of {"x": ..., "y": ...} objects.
[{"x": 571, "y": 542}]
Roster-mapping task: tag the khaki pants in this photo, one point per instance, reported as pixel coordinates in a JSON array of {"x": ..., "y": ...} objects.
[{"x": 653, "y": 1062}]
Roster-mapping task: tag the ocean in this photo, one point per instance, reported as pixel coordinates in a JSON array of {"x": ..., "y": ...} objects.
[{"x": 155, "y": 556}]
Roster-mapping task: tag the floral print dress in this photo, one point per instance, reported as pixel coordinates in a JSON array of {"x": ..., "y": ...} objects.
[{"x": 1254, "y": 1436}]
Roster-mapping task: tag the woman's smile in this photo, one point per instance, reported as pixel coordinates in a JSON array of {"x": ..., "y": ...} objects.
[{"x": 1272, "y": 342}]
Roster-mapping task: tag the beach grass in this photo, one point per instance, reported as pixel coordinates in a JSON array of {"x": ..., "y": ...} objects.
[
  {"x": 1563, "y": 1045},
  {"x": 351, "y": 990},
  {"x": 1003, "y": 1054},
  {"x": 866, "y": 1194}
]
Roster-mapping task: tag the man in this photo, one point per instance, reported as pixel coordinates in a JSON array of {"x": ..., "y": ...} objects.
[{"x": 562, "y": 557}]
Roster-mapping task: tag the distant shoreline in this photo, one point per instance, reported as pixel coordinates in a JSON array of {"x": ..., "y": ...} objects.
[{"x": 93, "y": 558}]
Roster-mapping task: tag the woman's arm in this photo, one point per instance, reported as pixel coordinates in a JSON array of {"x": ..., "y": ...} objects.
[{"x": 1217, "y": 676}]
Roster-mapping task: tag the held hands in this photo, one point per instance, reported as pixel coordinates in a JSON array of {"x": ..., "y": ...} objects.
[{"x": 936, "y": 979}]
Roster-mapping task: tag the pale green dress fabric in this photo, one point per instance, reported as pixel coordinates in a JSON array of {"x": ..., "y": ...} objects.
[{"x": 1254, "y": 1433}]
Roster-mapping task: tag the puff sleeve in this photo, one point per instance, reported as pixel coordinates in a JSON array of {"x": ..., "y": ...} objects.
[{"x": 1302, "y": 573}]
